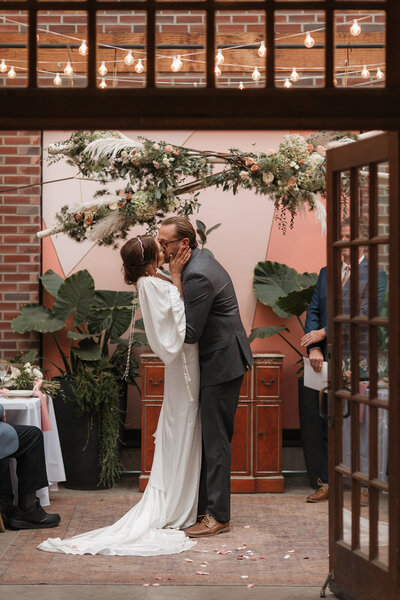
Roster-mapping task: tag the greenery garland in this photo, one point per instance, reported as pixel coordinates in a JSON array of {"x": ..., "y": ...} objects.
[{"x": 156, "y": 180}]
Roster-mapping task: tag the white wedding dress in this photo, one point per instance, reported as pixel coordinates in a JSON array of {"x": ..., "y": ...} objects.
[{"x": 169, "y": 502}]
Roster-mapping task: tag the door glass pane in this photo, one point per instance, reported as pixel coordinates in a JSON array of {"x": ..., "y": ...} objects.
[
  {"x": 346, "y": 511},
  {"x": 363, "y": 192},
  {"x": 14, "y": 61},
  {"x": 363, "y": 493},
  {"x": 383, "y": 439},
  {"x": 383, "y": 281},
  {"x": 383, "y": 199},
  {"x": 383, "y": 527}
]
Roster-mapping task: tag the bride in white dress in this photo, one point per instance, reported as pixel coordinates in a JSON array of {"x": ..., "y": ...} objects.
[{"x": 169, "y": 503}]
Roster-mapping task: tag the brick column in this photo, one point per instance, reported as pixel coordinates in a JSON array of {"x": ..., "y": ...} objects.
[{"x": 20, "y": 219}]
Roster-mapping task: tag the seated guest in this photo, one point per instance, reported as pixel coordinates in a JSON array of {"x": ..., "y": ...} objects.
[{"x": 25, "y": 444}]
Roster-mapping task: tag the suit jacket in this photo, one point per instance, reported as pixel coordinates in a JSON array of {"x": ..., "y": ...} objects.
[
  {"x": 213, "y": 320},
  {"x": 8, "y": 437},
  {"x": 316, "y": 317}
]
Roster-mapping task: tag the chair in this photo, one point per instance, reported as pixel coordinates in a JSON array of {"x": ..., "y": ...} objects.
[{"x": 2, "y": 528}]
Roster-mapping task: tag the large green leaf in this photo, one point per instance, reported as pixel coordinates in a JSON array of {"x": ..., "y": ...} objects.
[
  {"x": 112, "y": 313},
  {"x": 51, "y": 282},
  {"x": 307, "y": 279},
  {"x": 75, "y": 335},
  {"x": 87, "y": 350},
  {"x": 75, "y": 295},
  {"x": 272, "y": 280},
  {"x": 263, "y": 332},
  {"x": 34, "y": 317},
  {"x": 296, "y": 302}
]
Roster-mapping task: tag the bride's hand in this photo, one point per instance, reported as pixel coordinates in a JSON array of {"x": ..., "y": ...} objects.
[{"x": 177, "y": 262}]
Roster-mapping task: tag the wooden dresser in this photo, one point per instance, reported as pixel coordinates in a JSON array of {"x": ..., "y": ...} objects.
[{"x": 257, "y": 439}]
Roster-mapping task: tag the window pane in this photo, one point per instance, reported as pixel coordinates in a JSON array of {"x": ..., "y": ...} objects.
[{"x": 14, "y": 61}]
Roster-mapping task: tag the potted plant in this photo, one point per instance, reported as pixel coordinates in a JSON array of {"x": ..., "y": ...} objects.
[
  {"x": 288, "y": 293},
  {"x": 88, "y": 407}
]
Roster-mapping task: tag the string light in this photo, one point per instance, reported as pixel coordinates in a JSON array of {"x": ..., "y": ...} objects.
[
  {"x": 57, "y": 79},
  {"x": 83, "y": 49},
  {"x": 294, "y": 76},
  {"x": 68, "y": 69},
  {"x": 129, "y": 60},
  {"x": 3, "y": 66},
  {"x": 256, "y": 75},
  {"x": 217, "y": 70},
  {"x": 176, "y": 64},
  {"x": 288, "y": 84},
  {"x": 355, "y": 29},
  {"x": 11, "y": 73},
  {"x": 365, "y": 73},
  {"x": 103, "y": 84},
  {"x": 309, "y": 41},
  {"x": 219, "y": 59},
  {"x": 103, "y": 69},
  {"x": 241, "y": 86},
  {"x": 139, "y": 68},
  {"x": 262, "y": 51},
  {"x": 379, "y": 74}
]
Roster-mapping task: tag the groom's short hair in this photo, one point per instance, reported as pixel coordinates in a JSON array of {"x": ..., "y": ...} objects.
[{"x": 184, "y": 229}]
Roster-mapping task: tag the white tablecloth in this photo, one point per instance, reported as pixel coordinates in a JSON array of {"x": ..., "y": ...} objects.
[{"x": 26, "y": 411}]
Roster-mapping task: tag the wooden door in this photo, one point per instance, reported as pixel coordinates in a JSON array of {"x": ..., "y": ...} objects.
[{"x": 363, "y": 350}]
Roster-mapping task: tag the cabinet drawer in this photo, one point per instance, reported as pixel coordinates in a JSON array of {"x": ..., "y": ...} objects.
[
  {"x": 266, "y": 382},
  {"x": 153, "y": 381},
  {"x": 267, "y": 439},
  {"x": 150, "y": 414}
]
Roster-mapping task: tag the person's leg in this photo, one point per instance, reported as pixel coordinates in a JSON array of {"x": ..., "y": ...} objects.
[{"x": 6, "y": 492}]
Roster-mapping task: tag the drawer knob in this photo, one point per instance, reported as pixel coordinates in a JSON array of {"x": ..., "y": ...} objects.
[
  {"x": 156, "y": 382},
  {"x": 267, "y": 383},
  {"x": 260, "y": 434}
]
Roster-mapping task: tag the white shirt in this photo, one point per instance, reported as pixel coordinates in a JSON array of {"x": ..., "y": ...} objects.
[{"x": 345, "y": 265}]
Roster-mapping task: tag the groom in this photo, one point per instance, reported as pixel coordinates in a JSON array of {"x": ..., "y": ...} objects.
[{"x": 212, "y": 320}]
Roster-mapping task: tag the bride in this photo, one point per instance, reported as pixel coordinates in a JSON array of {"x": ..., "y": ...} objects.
[{"x": 169, "y": 503}]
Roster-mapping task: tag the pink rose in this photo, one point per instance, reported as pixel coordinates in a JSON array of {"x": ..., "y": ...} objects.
[
  {"x": 121, "y": 193},
  {"x": 176, "y": 152},
  {"x": 255, "y": 168},
  {"x": 321, "y": 150},
  {"x": 168, "y": 148},
  {"x": 249, "y": 161},
  {"x": 155, "y": 164},
  {"x": 156, "y": 146},
  {"x": 244, "y": 175},
  {"x": 128, "y": 195}
]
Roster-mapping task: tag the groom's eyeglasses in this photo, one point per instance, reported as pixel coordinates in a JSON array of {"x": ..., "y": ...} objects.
[{"x": 165, "y": 244}]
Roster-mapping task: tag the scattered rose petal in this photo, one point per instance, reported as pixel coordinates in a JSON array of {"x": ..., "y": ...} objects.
[
  {"x": 287, "y": 556},
  {"x": 202, "y": 573},
  {"x": 203, "y": 550},
  {"x": 253, "y": 558},
  {"x": 240, "y": 557},
  {"x": 158, "y": 578},
  {"x": 246, "y": 527},
  {"x": 203, "y": 564},
  {"x": 248, "y": 557},
  {"x": 250, "y": 585},
  {"x": 146, "y": 585},
  {"x": 290, "y": 551},
  {"x": 223, "y": 545},
  {"x": 188, "y": 559},
  {"x": 155, "y": 584},
  {"x": 244, "y": 576},
  {"x": 262, "y": 556}
]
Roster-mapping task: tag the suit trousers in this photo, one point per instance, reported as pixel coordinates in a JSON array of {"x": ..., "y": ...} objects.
[
  {"x": 31, "y": 465},
  {"x": 218, "y": 404}
]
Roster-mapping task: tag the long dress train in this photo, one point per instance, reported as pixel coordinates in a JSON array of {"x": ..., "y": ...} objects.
[{"x": 169, "y": 502}]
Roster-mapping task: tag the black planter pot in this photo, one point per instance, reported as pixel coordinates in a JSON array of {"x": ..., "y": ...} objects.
[{"x": 311, "y": 435}]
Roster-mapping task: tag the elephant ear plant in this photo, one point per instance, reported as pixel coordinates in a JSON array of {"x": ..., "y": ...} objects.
[
  {"x": 96, "y": 356},
  {"x": 287, "y": 292}
]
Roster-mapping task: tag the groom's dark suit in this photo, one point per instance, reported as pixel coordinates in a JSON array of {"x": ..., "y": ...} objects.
[{"x": 213, "y": 320}]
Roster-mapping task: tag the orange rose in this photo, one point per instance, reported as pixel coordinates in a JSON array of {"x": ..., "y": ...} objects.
[
  {"x": 128, "y": 195},
  {"x": 88, "y": 219},
  {"x": 249, "y": 161},
  {"x": 255, "y": 168},
  {"x": 78, "y": 217},
  {"x": 310, "y": 147}
]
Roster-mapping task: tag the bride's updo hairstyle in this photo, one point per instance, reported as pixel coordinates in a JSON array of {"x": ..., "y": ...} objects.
[{"x": 137, "y": 254}]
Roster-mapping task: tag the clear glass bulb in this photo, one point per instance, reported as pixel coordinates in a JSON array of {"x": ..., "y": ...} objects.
[
  {"x": 129, "y": 60},
  {"x": 241, "y": 85},
  {"x": 288, "y": 84},
  {"x": 83, "y": 49},
  {"x": 262, "y": 51},
  {"x": 11, "y": 73},
  {"x": 139, "y": 68},
  {"x": 217, "y": 70},
  {"x": 68, "y": 69},
  {"x": 57, "y": 79},
  {"x": 355, "y": 29},
  {"x": 309, "y": 41},
  {"x": 103, "y": 84},
  {"x": 256, "y": 75},
  {"x": 294, "y": 76},
  {"x": 103, "y": 69},
  {"x": 219, "y": 59},
  {"x": 176, "y": 64},
  {"x": 365, "y": 73},
  {"x": 379, "y": 74},
  {"x": 3, "y": 66}
]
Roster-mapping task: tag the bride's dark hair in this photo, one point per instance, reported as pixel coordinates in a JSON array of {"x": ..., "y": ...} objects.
[{"x": 137, "y": 253}]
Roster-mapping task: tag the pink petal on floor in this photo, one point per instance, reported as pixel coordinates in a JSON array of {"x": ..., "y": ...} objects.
[
  {"x": 188, "y": 559},
  {"x": 262, "y": 556},
  {"x": 253, "y": 558},
  {"x": 244, "y": 577},
  {"x": 146, "y": 585},
  {"x": 155, "y": 584},
  {"x": 250, "y": 585},
  {"x": 202, "y": 573},
  {"x": 287, "y": 556},
  {"x": 246, "y": 527},
  {"x": 158, "y": 578},
  {"x": 223, "y": 545}
]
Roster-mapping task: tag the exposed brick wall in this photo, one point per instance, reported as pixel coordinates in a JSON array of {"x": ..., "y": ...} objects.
[{"x": 20, "y": 156}]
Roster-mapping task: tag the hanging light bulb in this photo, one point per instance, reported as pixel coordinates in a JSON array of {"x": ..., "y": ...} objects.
[
  {"x": 103, "y": 69},
  {"x": 129, "y": 60},
  {"x": 219, "y": 59},
  {"x": 379, "y": 74},
  {"x": 139, "y": 68},
  {"x": 103, "y": 84},
  {"x": 11, "y": 73},
  {"x": 309, "y": 41},
  {"x": 365, "y": 73},
  {"x": 256, "y": 75},
  {"x": 241, "y": 85},
  {"x": 294, "y": 76},
  {"x": 68, "y": 69},
  {"x": 355, "y": 29},
  {"x": 288, "y": 84},
  {"x": 176, "y": 64},
  {"x": 57, "y": 79},
  {"x": 3, "y": 66},
  {"x": 217, "y": 70},
  {"x": 83, "y": 49},
  {"x": 262, "y": 51}
]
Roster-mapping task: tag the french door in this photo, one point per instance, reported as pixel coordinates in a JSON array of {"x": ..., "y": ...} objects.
[{"x": 363, "y": 398}]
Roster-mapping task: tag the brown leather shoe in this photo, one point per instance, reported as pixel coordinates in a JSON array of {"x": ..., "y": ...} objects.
[
  {"x": 321, "y": 494},
  {"x": 207, "y": 527}
]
